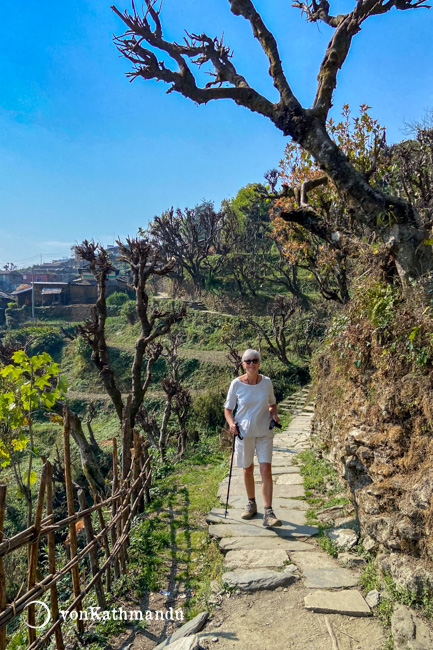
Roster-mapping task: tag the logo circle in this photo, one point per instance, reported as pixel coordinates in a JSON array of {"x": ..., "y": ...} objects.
[{"x": 48, "y": 618}]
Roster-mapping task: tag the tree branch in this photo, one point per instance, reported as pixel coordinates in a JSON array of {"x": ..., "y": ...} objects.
[
  {"x": 201, "y": 48},
  {"x": 338, "y": 48},
  {"x": 267, "y": 40}
]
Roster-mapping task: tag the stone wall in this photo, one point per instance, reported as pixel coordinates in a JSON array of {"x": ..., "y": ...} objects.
[
  {"x": 376, "y": 442},
  {"x": 70, "y": 313}
]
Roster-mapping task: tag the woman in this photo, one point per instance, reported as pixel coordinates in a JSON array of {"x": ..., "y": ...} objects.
[{"x": 254, "y": 397}]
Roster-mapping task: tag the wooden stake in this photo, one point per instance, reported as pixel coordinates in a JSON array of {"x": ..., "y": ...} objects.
[
  {"x": 106, "y": 548},
  {"x": 126, "y": 438},
  {"x": 33, "y": 554},
  {"x": 93, "y": 554},
  {"x": 136, "y": 465},
  {"x": 75, "y": 573},
  {"x": 115, "y": 487},
  {"x": 146, "y": 459},
  {"x": 52, "y": 561},
  {"x": 3, "y": 490}
]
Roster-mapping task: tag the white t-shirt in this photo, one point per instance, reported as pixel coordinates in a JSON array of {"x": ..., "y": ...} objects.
[{"x": 253, "y": 402}]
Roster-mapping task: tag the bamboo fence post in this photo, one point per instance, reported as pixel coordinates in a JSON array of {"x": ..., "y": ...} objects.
[
  {"x": 33, "y": 554},
  {"x": 75, "y": 572},
  {"x": 106, "y": 546},
  {"x": 119, "y": 526},
  {"x": 93, "y": 554},
  {"x": 126, "y": 438},
  {"x": 136, "y": 465},
  {"x": 3, "y": 490},
  {"x": 52, "y": 561},
  {"x": 146, "y": 459},
  {"x": 141, "y": 506},
  {"x": 115, "y": 487}
]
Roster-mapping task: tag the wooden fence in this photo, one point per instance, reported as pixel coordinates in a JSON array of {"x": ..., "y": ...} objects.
[{"x": 130, "y": 490}]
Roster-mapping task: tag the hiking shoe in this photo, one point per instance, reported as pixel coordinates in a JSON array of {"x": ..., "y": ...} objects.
[
  {"x": 269, "y": 519},
  {"x": 250, "y": 510}
]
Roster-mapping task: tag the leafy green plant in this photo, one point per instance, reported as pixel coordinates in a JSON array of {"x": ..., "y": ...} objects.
[
  {"x": 27, "y": 385},
  {"x": 327, "y": 544}
]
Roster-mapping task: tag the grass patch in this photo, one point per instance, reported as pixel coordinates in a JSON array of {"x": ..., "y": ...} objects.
[
  {"x": 170, "y": 548},
  {"x": 327, "y": 544},
  {"x": 322, "y": 488}
]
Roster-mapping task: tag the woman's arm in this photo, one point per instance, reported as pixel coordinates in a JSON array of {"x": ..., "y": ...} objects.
[
  {"x": 273, "y": 412},
  {"x": 228, "y": 414}
]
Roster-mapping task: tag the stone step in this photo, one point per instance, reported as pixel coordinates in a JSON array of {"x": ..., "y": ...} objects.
[
  {"x": 260, "y": 579},
  {"x": 258, "y": 558},
  {"x": 320, "y": 571},
  {"x": 268, "y": 543},
  {"x": 245, "y": 530},
  {"x": 348, "y": 602},
  {"x": 276, "y": 470},
  {"x": 287, "y": 516},
  {"x": 289, "y": 479},
  {"x": 240, "y": 502},
  {"x": 282, "y": 491}
]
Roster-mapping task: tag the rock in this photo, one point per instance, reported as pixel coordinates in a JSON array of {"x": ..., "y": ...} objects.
[
  {"x": 409, "y": 631},
  {"x": 343, "y": 538},
  {"x": 260, "y": 579},
  {"x": 373, "y": 598},
  {"x": 346, "y": 522},
  {"x": 402, "y": 627},
  {"x": 266, "y": 543},
  {"x": 255, "y": 559},
  {"x": 187, "y": 643},
  {"x": 348, "y": 603},
  {"x": 189, "y": 629},
  {"x": 328, "y": 514},
  {"x": 350, "y": 560},
  {"x": 407, "y": 572},
  {"x": 368, "y": 543}
]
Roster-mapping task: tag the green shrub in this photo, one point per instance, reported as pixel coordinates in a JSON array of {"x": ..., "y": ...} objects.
[
  {"x": 208, "y": 408},
  {"x": 118, "y": 298},
  {"x": 128, "y": 311}
]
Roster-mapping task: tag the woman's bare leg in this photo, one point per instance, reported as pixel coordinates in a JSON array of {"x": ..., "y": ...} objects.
[
  {"x": 249, "y": 481},
  {"x": 267, "y": 485}
]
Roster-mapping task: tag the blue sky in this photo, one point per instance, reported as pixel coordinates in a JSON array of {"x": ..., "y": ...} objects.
[{"x": 86, "y": 154}]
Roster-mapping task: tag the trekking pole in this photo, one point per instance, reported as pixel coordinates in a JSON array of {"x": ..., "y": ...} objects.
[{"x": 231, "y": 466}]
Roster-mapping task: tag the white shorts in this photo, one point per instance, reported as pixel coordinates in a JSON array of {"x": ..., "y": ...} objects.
[{"x": 245, "y": 450}]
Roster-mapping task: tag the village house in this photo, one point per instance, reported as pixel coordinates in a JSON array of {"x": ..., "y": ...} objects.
[
  {"x": 80, "y": 292},
  {"x": 4, "y": 300},
  {"x": 10, "y": 280}
]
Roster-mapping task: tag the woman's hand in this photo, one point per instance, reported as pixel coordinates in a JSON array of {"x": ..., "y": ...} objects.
[{"x": 233, "y": 429}]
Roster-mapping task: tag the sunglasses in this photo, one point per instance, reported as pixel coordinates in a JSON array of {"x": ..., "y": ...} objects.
[{"x": 248, "y": 361}]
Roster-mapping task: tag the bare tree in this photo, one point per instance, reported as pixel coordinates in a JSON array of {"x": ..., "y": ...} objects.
[
  {"x": 189, "y": 237},
  {"x": 144, "y": 40},
  {"x": 177, "y": 401},
  {"x": 230, "y": 338},
  {"x": 144, "y": 262},
  {"x": 281, "y": 312}
]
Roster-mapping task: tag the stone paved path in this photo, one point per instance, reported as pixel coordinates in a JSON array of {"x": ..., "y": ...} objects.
[{"x": 259, "y": 559}]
